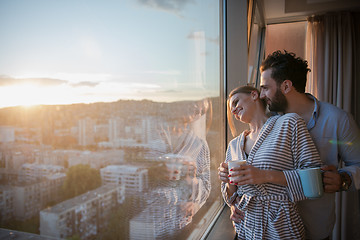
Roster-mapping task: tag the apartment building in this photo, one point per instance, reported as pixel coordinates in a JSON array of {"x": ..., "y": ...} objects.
[
  {"x": 134, "y": 179},
  {"x": 96, "y": 160},
  {"x": 86, "y": 132},
  {"x": 32, "y": 171},
  {"x": 155, "y": 222},
  {"x": 165, "y": 214},
  {"x": 84, "y": 215},
  {"x": 25, "y": 200},
  {"x": 6, "y": 203},
  {"x": 7, "y": 134}
]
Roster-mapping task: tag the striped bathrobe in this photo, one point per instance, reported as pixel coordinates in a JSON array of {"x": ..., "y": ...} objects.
[{"x": 283, "y": 144}]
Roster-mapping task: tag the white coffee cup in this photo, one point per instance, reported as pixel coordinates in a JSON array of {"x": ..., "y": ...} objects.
[
  {"x": 235, "y": 163},
  {"x": 174, "y": 169}
]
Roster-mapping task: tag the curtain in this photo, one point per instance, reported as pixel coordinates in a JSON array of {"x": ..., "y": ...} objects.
[{"x": 333, "y": 54}]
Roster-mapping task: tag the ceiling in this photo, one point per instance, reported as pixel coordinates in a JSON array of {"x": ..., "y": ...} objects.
[{"x": 278, "y": 11}]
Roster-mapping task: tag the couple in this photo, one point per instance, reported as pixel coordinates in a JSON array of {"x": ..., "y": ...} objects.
[{"x": 263, "y": 201}]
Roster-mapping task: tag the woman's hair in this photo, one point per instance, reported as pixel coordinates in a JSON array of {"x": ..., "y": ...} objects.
[{"x": 242, "y": 89}]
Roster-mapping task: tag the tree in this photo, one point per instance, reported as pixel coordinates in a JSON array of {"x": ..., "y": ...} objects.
[
  {"x": 118, "y": 226},
  {"x": 31, "y": 225},
  {"x": 74, "y": 237},
  {"x": 80, "y": 179},
  {"x": 120, "y": 217}
]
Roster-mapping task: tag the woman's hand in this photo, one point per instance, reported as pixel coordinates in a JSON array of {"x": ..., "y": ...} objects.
[
  {"x": 236, "y": 215},
  {"x": 248, "y": 174},
  {"x": 224, "y": 172}
]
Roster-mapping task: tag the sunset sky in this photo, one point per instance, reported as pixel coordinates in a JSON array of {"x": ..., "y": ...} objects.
[{"x": 70, "y": 51}]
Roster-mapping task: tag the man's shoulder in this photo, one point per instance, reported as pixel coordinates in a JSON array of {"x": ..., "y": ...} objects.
[
  {"x": 330, "y": 107},
  {"x": 330, "y": 111}
]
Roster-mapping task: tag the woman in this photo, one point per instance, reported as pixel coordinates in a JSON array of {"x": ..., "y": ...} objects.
[{"x": 272, "y": 146}]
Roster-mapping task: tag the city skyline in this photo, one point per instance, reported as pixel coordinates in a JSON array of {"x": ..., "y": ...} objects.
[
  {"x": 66, "y": 52},
  {"x": 131, "y": 151}
]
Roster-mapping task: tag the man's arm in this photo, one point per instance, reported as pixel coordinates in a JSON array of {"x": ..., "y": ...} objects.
[
  {"x": 348, "y": 143},
  {"x": 335, "y": 181}
]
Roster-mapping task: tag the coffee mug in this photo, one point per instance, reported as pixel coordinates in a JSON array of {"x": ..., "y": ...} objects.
[
  {"x": 235, "y": 163},
  {"x": 311, "y": 182}
]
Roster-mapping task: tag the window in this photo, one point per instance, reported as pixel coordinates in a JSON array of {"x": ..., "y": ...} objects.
[
  {"x": 255, "y": 45},
  {"x": 106, "y": 98},
  {"x": 288, "y": 36}
]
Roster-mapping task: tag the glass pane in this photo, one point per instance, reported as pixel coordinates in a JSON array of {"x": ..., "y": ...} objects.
[
  {"x": 254, "y": 48},
  {"x": 110, "y": 118},
  {"x": 288, "y": 36}
]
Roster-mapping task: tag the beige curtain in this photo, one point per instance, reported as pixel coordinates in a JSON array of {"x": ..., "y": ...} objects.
[{"x": 333, "y": 53}]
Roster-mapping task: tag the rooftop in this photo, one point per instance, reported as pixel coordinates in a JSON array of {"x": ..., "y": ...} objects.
[
  {"x": 123, "y": 168},
  {"x": 81, "y": 199},
  {"x": 6, "y": 234}
]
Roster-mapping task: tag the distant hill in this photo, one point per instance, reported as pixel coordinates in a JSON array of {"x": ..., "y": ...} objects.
[{"x": 65, "y": 116}]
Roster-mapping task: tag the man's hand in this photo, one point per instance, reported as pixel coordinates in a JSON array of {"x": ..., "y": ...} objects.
[{"x": 331, "y": 179}]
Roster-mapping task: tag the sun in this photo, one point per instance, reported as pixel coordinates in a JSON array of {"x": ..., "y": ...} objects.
[
  {"x": 26, "y": 95},
  {"x": 29, "y": 105}
]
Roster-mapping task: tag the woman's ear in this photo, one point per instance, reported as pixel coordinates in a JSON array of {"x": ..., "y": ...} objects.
[{"x": 254, "y": 95}]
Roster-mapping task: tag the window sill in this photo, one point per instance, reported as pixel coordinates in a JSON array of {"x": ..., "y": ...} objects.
[{"x": 223, "y": 228}]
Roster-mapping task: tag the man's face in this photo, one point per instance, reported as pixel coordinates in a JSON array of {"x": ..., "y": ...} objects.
[{"x": 271, "y": 92}]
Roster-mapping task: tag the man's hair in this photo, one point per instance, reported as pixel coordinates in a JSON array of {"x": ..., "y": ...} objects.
[{"x": 286, "y": 66}]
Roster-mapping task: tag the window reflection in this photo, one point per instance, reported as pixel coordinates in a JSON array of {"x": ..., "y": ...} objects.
[
  {"x": 152, "y": 166},
  {"x": 117, "y": 133},
  {"x": 183, "y": 182}
]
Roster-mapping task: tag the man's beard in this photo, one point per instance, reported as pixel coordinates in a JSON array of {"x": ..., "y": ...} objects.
[{"x": 278, "y": 103}]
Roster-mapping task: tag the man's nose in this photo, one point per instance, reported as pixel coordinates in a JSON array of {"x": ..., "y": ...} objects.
[{"x": 262, "y": 95}]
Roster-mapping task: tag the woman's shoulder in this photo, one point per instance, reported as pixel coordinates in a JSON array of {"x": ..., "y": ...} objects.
[
  {"x": 235, "y": 141},
  {"x": 290, "y": 120},
  {"x": 290, "y": 117}
]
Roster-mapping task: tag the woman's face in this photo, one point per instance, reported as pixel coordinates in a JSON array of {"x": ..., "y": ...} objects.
[{"x": 242, "y": 107}]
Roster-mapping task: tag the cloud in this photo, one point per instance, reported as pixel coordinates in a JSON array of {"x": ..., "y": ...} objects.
[
  {"x": 86, "y": 79},
  {"x": 170, "y": 91},
  {"x": 171, "y": 6},
  {"x": 8, "y": 81},
  {"x": 85, "y": 84},
  {"x": 44, "y": 82},
  {"x": 144, "y": 85}
]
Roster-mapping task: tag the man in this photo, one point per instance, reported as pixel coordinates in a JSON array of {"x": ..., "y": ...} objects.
[{"x": 334, "y": 132}]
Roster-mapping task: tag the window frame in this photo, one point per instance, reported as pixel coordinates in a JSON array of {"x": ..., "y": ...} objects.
[{"x": 234, "y": 71}]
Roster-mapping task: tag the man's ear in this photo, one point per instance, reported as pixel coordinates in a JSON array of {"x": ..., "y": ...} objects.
[{"x": 286, "y": 86}]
